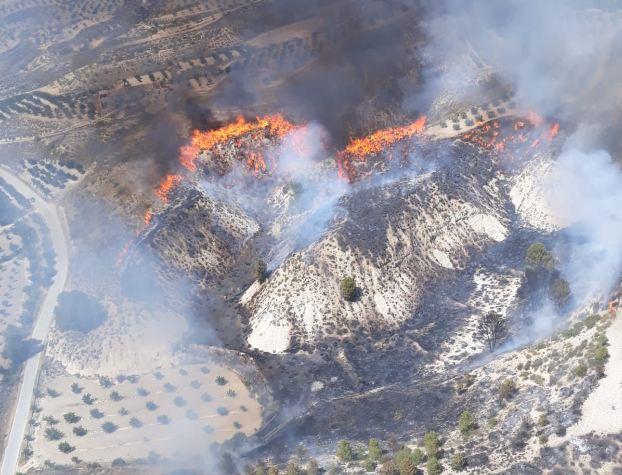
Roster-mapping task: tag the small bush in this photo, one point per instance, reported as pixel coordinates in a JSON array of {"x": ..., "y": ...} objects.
[
  {"x": 123, "y": 412},
  {"x": 179, "y": 401},
  {"x": 65, "y": 447},
  {"x": 115, "y": 396},
  {"x": 231, "y": 393},
  {"x": 170, "y": 388},
  {"x": 507, "y": 389},
  {"x": 52, "y": 392},
  {"x": 71, "y": 417},
  {"x": 109, "y": 427},
  {"x": 164, "y": 419},
  {"x": 260, "y": 271},
  {"x": 80, "y": 431},
  {"x": 347, "y": 288},
  {"x": 76, "y": 388},
  {"x": 142, "y": 392},
  {"x": 192, "y": 415},
  {"x": 88, "y": 399},
  {"x": 50, "y": 420},
  {"x": 466, "y": 424},
  {"x": 344, "y": 451},
  {"x": 580, "y": 370},
  {"x": 373, "y": 450},
  {"x": 206, "y": 397},
  {"x": 195, "y": 384},
  {"x": 105, "y": 382},
  {"x": 96, "y": 413},
  {"x": 135, "y": 423},
  {"x": 433, "y": 467},
  {"x": 152, "y": 406},
  {"x": 51, "y": 433},
  {"x": 458, "y": 461},
  {"x": 223, "y": 411},
  {"x": 221, "y": 381},
  {"x": 431, "y": 444}
]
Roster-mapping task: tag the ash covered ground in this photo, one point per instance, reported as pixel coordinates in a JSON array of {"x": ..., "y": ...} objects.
[{"x": 285, "y": 236}]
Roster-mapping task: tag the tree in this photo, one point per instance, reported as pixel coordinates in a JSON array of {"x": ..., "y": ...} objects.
[
  {"x": 374, "y": 452},
  {"x": 431, "y": 443},
  {"x": 559, "y": 290},
  {"x": 261, "y": 271},
  {"x": 538, "y": 257},
  {"x": 51, "y": 433},
  {"x": 407, "y": 467},
  {"x": 433, "y": 467},
  {"x": 71, "y": 417},
  {"x": 65, "y": 447},
  {"x": 491, "y": 329},
  {"x": 466, "y": 424},
  {"x": 348, "y": 288},
  {"x": 344, "y": 451}
]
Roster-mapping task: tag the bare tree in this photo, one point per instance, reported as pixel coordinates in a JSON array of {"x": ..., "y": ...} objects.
[{"x": 491, "y": 329}]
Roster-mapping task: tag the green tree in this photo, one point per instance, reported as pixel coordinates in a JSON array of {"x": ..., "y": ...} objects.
[
  {"x": 389, "y": 468},
  {"x": 65, "y": 447},
  {"x": 431, "y": 444},
  {"x": 538, "y": 257},
  {"x": 348, "y": 288},
  {"x": 374, "y": 452},
  {"x": 407, "y": 466},
  {"x": 344, "y": 451},
  {"x": 433, "y": 467},
  {"x": 559, "y": 290},
  {"x": 466, "y": 424}
]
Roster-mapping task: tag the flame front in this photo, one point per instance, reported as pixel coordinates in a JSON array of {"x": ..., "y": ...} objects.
[
  {"x": 378, "y": 141},
  {"x": 166, "y": 185}
]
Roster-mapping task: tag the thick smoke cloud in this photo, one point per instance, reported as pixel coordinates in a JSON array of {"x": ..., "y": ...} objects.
[
  {"x": 586, "y": 195},
  {"x": 561, "y": 58}
]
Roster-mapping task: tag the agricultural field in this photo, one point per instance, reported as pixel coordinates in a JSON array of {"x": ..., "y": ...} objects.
[{"x": 175, "y": 412}]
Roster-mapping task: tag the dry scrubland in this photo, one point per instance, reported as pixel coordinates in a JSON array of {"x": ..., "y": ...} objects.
[{"x": 175, "y": 412}]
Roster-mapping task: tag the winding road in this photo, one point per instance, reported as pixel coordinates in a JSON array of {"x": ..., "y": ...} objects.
[{"x": 53, "y": 218}]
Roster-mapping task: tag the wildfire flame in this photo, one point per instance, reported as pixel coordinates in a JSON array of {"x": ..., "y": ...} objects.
[
  {"x": 166, "y": 185},
  {"x": 148, "y": 217},
  {"x": 274, "y": 125},
  {"x": 378, "y": 141}
]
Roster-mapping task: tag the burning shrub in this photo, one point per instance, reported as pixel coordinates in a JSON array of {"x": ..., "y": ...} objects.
[
  {"x": 78, "y": 311},
  {"x": 348, "y": 288}
]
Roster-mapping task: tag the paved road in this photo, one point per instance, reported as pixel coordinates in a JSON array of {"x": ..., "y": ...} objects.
[{"x": 52, "y": 216}]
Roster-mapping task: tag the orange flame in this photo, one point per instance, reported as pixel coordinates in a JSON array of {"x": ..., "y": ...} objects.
[
  {"x": 188, "y": 155},
  {"x": 274, "y": 124},
  {"x": 381, "y": 139},
  {"x": 553, "y": 131},
  {"x": 166, "y": 185},
  {"x": 148, "y": 217}
]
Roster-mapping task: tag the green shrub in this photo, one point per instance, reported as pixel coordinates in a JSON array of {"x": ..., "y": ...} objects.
[
  {"x": 373, "y": 450},
  {"x": 79, "y": 431},
  {"x": 348, "y": 288},
  {"x": 71, "y": 417},
  {"x": 580, "y": 370},
  {"x": 52, "y": 433},
  {"x": 466, "y": 424},
  {"x": 458, "y": 461},
  {"x": 433, "y": 467},
  {"x": 65, "y": 448},
  {"x": 344, "y": 451},
  {"x": 431, "y": 443}
]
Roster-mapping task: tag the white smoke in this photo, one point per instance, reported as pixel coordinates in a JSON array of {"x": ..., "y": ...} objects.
[{"x": 586, "y": 197}]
